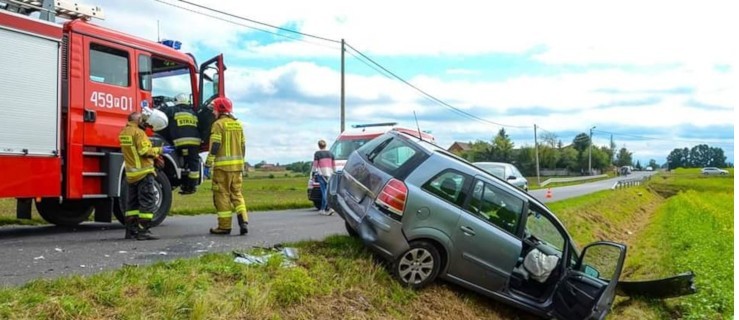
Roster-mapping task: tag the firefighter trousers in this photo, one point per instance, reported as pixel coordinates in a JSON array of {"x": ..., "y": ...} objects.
[
  {"x": 191, "y": 174},
  {"x": 142, "y": 198},
  {"x": 227, "y": 196}
]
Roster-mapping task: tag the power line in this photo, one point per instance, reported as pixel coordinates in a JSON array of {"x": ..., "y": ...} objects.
[
  {"x": 260, "y": 23},
  {"x": 243, "y": 25},
  {"x": 369, "y": 65},
  {"x": 429, "y": 96}
]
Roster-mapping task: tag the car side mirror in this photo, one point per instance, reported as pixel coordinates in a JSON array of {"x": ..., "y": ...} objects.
[
  {"x": 511, "y": 178},
  {"x": 589, "y": 270}
]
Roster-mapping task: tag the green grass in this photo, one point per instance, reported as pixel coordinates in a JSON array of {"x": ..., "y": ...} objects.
[
  {"x": 533, "y": 184},
  {"x": 692, "y": 231},
  {"x": 260, "y": 193},
  {"x": 335, "y": 278}
]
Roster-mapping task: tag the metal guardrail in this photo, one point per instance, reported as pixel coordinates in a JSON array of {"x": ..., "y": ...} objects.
[
  {"x": 553, "y": 180},
  {"x": 625, "y": 183}
]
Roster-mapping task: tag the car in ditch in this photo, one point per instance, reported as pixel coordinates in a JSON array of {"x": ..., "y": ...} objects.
[{"x": 435, "y": 215}]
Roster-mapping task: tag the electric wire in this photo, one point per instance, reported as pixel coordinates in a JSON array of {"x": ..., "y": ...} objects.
[
  {"x": 429, "y": 96},
  {"x": 259, "y": 22},
  {"x": 244, "y": 25}
]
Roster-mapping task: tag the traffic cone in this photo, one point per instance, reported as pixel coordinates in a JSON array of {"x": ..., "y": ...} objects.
[{"x": 549, "y": 193}]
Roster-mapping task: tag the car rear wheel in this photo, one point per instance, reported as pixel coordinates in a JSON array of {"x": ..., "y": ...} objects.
[{"x": 418, "y": 266}]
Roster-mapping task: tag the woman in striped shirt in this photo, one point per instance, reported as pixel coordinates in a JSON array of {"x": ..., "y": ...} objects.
[{"x": 323, "y": 167}]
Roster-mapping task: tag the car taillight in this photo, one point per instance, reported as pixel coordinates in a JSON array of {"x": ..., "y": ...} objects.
[{"x": 392, "y": 196}]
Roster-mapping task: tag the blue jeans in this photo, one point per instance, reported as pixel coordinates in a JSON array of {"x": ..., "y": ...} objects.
[{"x": 324, "y": 191}]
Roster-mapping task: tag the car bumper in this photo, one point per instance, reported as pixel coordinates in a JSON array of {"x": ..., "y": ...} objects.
[
  {"x": 377, "y": 230},
  {"x": 314, "y": 193}
]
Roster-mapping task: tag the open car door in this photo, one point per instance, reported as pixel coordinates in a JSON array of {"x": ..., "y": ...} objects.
[
  {"x": 212, "y": 86},
  {"x": 588, "y": 289}
]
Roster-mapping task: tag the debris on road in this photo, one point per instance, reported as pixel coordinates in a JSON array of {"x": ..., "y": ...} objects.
[
  {"x": 288, "y": 254},
  {"x": 39, "y": 258},
  {"x": 58, "y": 250}
]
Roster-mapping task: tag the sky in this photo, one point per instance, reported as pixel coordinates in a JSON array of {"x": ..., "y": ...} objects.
[{"x": 654, "y": 75}]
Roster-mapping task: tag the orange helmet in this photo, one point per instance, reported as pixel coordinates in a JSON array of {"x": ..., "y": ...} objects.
[{"x": 223, "y": 105}]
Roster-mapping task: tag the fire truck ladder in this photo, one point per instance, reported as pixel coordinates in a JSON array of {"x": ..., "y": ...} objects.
[{"x": 50, "y": 9}]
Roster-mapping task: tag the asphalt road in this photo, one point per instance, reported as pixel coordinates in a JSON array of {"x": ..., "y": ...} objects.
[
  {"x": 31, "y": 252},
  {"x": 577, "y": 190}
]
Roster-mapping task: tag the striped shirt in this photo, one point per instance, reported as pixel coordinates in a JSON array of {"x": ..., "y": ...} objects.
[{"x": 323, "y": 163}]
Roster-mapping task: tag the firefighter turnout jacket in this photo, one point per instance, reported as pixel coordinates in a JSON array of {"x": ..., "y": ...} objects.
[
  {"x": 184, "y": 130},
  {"x": 229, "y": 134},
  {"x": 137, "y": 152}
]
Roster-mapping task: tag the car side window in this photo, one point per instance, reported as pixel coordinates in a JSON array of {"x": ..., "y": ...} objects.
[
  {"x": 543, "y": 229},
  {"x": 394, "y": 155},
  {"x": 449, "y": 185},
  {"x": 495, "y": 206}
]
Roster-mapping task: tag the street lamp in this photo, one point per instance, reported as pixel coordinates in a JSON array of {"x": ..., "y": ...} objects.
[{"x": 590, "y": 153}]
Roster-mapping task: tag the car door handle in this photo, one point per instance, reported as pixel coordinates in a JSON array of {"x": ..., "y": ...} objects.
[{"x": 467, "y": 230}]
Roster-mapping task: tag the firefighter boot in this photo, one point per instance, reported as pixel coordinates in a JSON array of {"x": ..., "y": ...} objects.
[
  {"x": 224, "y": 226},
  {"x": 143, "y": 232},
  {"x": 242, "y": 224},
  {"x": 132, "y": 227}
]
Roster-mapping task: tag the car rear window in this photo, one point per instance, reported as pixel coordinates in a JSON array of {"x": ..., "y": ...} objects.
[{"x": 393, "y": 155}]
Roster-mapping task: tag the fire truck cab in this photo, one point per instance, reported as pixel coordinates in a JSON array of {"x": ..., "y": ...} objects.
[{"x": 67, "y": 90}]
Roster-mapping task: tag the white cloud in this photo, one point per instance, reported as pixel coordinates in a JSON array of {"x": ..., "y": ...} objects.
[{"x": 666, "y": 55}]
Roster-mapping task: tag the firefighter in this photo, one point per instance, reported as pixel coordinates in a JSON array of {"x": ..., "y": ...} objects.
[
  {"x": 186, "y": 138},
  {"x": 226, "y": 157},
  {"x": 139, "y": 156}
]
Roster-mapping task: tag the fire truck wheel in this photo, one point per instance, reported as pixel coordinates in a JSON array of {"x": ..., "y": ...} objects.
[
  {"x": 164, "y": 199},
  {"x": 67, "y": 213}
]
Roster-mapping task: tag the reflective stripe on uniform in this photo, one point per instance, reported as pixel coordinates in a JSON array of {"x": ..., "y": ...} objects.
[
  {"x": 179, "y": 142},
  {"x": 215, "y": 137},
  {"x": 240, "y": 208},
  {"x": 138, "y": 172},
  {"x": 132, "y": 213},
  {"x": 228, "y": 163},
  {"x": 194, "y": 175},
  {"x": 224, "y": 214},
  {"x": 146, "y": 216}
]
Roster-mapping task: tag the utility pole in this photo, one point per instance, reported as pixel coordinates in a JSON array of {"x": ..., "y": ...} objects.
[
  {"x": 590, "y": 153},
  {"x": 536, "y": 148},
  {"x": 342, "y": 85}
]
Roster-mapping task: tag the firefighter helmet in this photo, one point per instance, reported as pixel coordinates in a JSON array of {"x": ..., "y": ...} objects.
[
  {"x": 155, "y": 118},
  {"x": 182, "y": 98},
  {"x": 223, "y": 105}
]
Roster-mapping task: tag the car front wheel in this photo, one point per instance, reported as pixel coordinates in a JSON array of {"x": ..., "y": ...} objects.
[{"x": 418, "y": 266}]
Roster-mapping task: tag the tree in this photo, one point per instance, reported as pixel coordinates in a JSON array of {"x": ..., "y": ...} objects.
[
  {"x": 653, "y": 164},
  {"x": 638, "y": 165},
  {"x": 581, "y": 142},
  {"x": 700, "y": 156},
  {"x": 623, "y": 157},
  {"x": 568, "y": 159},
  {"x": 678, "y": 158},
  {"x": 479, "y": 151},
  {"x": 502, "y": 147}
]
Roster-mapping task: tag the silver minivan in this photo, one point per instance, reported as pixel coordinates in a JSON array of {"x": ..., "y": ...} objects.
[{"x": 433, "y": 214}]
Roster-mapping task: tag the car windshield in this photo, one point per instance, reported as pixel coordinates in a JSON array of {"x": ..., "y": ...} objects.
[
  {"x": 496, "y": 170},
  {"x": 343, "y": 148}
]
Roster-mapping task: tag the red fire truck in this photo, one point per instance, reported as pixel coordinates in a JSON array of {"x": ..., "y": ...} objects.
[{"x": 66, "y": 89}]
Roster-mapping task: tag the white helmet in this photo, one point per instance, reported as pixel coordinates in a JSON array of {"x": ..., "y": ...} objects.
[
  {"x": 155, "y": 118},
  {"x": 182, "y": 98}
]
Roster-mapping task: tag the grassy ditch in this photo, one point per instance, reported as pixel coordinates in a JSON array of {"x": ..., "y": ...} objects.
[
  {"x": 692, "y": 231},
  {"x": 336, "y": 277}
]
